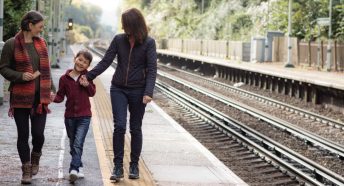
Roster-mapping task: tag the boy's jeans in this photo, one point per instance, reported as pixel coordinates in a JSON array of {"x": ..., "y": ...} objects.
[
  {"x": 77, "y": 129},
  {"x": 121, "y": 99}
]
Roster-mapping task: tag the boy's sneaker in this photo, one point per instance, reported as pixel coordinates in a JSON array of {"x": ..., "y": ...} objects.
[
  {"x": 134, "y": 171},
  {"x": 81, "y": 172},
  {"x": 117, "y": 173},
  {"x": 73, "y": 175}
]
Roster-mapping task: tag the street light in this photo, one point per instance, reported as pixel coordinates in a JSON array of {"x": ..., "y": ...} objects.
[
  {"x": 70, "y": 24},
  {"x": 1, "y": 45},
  {"x": 289, "y": 63},
  {"x": 322, "y": 21}
]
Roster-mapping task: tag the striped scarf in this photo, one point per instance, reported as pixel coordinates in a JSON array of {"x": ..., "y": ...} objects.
[{"x": 23, "y": 94}]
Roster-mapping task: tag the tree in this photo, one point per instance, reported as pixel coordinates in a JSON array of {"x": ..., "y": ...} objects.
[
  {"x": 233, "y": 19},
  {"x": 13, "y": 12},
  {"x": 338, "y": 16}
]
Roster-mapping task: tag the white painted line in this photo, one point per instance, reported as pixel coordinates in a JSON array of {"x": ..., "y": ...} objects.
[{"x": 60, "y": 164}]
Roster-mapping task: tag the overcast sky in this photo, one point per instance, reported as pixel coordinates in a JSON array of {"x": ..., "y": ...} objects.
[{"x": 110, "y": 10}]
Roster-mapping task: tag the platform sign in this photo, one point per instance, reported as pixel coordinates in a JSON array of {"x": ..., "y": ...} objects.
[{"x": 323, "y": 21}]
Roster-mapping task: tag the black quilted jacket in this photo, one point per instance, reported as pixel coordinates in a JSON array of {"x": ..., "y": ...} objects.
[{"x": 136, "y": 67}]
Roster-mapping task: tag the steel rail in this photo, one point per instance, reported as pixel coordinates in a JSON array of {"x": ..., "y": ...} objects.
[
  {"x": 302, "y": 112},
  {"x": 297, "y": 131},
  {"x": 232, "y": 127}
]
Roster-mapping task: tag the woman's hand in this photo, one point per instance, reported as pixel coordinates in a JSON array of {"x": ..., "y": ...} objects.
[
  {"x": 52, "y": 96},
  {"x": 146, "y": 99},
  {"x": 27, "y": 76}
]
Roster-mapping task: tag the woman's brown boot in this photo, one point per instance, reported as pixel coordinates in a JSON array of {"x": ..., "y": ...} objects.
[
  {"x": 35, "y": 162},
  {"x": 27, "y": 176}
]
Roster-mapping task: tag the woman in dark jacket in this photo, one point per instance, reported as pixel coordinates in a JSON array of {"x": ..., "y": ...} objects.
[
  {"x": 132, "y": 85},
  {"x": 25, "y": 63}
]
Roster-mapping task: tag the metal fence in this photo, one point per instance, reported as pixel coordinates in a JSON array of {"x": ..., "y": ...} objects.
[
  {"x": 234, "y": 50},
  {"x": 307, "y": 54},
  {"x": 303, "y": 53}
]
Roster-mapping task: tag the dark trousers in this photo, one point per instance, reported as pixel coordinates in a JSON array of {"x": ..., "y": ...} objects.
[
  {"x": 77, "y": 129},
  {"x": 22, "y": 117},
  {"x": 121, "y": 100}
]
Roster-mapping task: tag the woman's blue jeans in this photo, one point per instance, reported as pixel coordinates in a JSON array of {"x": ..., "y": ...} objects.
[
  {"x": 121, "y": 100},
  {"x": 77, "y": 129}
]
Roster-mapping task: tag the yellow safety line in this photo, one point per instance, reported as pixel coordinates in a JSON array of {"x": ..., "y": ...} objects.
[{"x": 103, "y": 163}]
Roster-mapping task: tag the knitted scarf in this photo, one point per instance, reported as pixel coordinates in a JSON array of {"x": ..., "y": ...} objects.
[{"x": 23, "y": 94}]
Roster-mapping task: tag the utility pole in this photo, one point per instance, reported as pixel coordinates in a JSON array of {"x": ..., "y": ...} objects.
[
  {"x": 202, "y": 6},
  {"x": 289, "y": 63},
  {"x": 329, "y": 47},
  {"x": 266, "y": 50},
  {"x": 1, "y": 45},
  {"x": 318, "y": 49},
  {"x": 50, "y": 30},
  {"x": 55, "y": 33}
]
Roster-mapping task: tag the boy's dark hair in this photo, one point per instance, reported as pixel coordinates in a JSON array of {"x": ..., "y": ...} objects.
[
  {"x": 86, "y": 54},
  {"x": 134, "y": 24},
  {"x": 33, "y": 17}
]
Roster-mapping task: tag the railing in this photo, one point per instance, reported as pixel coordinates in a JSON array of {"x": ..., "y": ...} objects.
[
  {"x": 303, "y": 53},
  {"x": 233, "y": 50}
]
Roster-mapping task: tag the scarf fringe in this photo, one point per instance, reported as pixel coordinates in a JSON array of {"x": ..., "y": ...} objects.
[
  {"x": 39, "y": 110},
  {"x": 11, "y": 112},
  {"x": 42, "y": 107}
]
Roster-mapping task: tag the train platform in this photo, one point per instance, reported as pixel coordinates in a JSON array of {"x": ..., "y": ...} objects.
[
  {"x": 277, "y": 69},
  {"x": 170, "y": 155}
]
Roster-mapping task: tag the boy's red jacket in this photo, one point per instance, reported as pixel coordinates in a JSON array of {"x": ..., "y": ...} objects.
[{"x": 78, "y": 103}]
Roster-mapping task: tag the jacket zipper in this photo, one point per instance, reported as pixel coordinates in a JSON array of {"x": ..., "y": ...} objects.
[{"x": 126, "y": 79}]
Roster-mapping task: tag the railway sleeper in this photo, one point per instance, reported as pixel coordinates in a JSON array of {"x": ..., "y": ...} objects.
[
  {"x": 212, "y": 135},
  {"x": 270, "y": 170},
  {"x": 276, "y": 175},
  {"x": 286, "y": 181},
  {"x": 263, "y": 165},
  {"x": 200, "y": 123},
  {"x": 251, "y": 158},
  {"x": 242, "y": 154}
]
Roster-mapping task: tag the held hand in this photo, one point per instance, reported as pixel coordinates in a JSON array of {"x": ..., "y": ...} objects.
[
  {"x": 84, "y": 84},
  {"x": 83, "y": 81},
  {"x": 27, "y": 76},
  {"x": 83, "y": 78},
  {"x": 146, "y": 99},
  {"x": 52, "y": 96}
]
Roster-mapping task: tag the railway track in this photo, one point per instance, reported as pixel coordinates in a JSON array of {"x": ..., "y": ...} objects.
[{"x": 232, "y": 141}]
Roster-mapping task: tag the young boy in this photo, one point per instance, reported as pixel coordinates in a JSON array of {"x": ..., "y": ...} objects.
[{"x": 78, "y": 109}]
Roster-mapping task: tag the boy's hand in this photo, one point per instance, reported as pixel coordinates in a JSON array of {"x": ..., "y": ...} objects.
[
  {"x": 52, "y": 96},
  {"x": 85, "y": 84},
  {"x": 83, "y": 78},
  {"x": 146, "y": 99},
  {"x": 83, "y": 81}
]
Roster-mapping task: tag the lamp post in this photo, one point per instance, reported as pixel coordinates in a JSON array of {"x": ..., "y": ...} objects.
[
  {"x": 329, "y": 47},
  {"x": 1, "y": 45},
  {"x": 202, "y": 6},
  {"x": 322, "y": 21},
  {"x": 289, "y": 63}
]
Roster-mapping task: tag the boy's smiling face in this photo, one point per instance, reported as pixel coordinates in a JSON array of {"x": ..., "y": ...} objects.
[{"x": 81, "y": 63}]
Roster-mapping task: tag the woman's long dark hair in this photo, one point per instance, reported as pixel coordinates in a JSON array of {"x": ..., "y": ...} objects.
[
  {"x": 30, "y": 17},
  {"x": 134, "y": 24}
]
